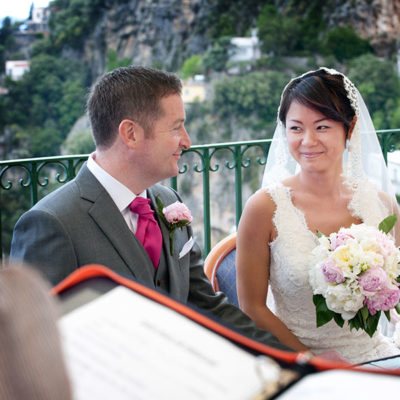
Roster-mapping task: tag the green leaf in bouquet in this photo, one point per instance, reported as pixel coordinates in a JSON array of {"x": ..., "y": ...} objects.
[
  {"x": 372, "y": 323},
  {"x": 355, "y": 322},
  {"x": 324, "y": 314},
  {"x": 397, "y": 308},
  {"x": 320, "y": 234},
  {"x": 364, "y": 314},
  {"x": 338, "y": 319},
  {"x": 388, "y": 223},
  {"x": 387, "y": 313}
]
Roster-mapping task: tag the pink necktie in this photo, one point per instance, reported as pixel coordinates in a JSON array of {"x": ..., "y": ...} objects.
[{"x": 148, "y": 232}]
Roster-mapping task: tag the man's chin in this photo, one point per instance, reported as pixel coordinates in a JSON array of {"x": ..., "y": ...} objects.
[{"x": 171, "y": 174}]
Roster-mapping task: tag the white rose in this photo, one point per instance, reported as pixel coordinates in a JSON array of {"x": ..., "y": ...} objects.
[
  {"x": 372, "y": 258},
  {"x": 392, "y": 266},
  {"x": 324, "y": 241},
  {"x": 318, "y": 254},
  {"x": 343, "y": 300}
]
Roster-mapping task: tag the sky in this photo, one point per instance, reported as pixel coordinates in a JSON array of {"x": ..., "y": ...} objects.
[{"x": 19, "y": 9}]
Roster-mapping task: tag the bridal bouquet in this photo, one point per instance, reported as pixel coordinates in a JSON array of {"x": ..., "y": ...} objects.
[{"x": 355, "y": 275}]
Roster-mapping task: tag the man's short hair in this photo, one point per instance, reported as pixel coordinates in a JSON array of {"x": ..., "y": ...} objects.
[{"x": 128, "y": 93}]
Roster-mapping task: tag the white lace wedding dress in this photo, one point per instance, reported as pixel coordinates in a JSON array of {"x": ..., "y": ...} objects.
[{"x": 292, "y": 293}]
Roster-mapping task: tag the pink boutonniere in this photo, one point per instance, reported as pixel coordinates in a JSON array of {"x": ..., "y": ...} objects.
[{"x": 174, "y": 216}]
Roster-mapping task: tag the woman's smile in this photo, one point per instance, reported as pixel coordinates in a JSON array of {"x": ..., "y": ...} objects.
[{"x": 311, "y": 154}]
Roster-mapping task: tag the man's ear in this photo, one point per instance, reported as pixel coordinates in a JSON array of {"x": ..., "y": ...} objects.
[
  {"x": 351, "y": 127},
  {"x": 130, "y": 132}
]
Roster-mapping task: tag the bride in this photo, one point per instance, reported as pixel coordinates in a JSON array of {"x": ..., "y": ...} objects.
[{"x": 325, "y": 170}]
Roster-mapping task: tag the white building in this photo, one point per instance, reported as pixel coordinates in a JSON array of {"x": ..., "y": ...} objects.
[
  {"x": 246, "y": 49},
  {"x": 39, "y": 19},
  {"x": 16, "y": 69}
]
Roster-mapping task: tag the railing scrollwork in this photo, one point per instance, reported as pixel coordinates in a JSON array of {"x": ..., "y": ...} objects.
[{"x": 35, "y": 174}]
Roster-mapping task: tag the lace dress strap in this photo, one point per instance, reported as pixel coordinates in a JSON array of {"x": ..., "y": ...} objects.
[
  {"x": 366, "y": 204},
  {"x": 288, "y": 220}
]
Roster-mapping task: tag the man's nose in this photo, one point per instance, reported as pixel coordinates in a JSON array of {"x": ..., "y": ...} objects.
[{"x": 185, "y": 140}]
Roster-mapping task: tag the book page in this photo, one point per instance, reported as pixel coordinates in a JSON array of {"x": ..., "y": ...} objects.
[
  {"x": 341, "y": 384},
  {"x": 125, "y": 346}
]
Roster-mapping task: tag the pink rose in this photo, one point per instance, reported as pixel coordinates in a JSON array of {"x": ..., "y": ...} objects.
[
  {"x": 339, "y": 239},
  {"x": 372, "y": 280},
  {"x": 383, "y": 300},
  {"x": 332, "y": 273},
  {"x": 177, "y": 212}
]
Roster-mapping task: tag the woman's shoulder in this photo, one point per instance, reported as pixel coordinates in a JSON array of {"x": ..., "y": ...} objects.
[
  {"x": 261, "y": 205},
  {"x": 277, "y": 192},
  {"x": 258, "y": 214}
]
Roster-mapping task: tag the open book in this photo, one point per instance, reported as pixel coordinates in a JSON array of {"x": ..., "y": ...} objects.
[
  {"x": 123, "y": 340},
  {"x": 125, "y": 346}
]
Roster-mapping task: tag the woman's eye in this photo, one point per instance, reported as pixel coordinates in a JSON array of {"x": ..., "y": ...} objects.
[
  {"x": 294, "y": 129},
  {"x": 322, "y": 127}
]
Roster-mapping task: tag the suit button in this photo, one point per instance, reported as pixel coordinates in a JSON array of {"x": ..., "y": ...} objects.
[{"x": 159, "y": 282}]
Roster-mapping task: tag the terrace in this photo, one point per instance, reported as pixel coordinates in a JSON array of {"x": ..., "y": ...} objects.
[{"x": 215, "y": 181}]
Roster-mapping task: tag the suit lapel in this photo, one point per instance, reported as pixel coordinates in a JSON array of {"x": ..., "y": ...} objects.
[{"x": 108, "y": 218}]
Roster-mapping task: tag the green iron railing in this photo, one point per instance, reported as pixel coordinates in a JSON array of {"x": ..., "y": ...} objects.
[{"x": 38, "y": 176}]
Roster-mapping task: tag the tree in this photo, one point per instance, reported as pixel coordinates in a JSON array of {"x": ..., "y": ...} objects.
[
  {"x": 80, "y": 142},
  {"x": 379, "y": 85},
  {"x": 278, "y": 34},
  {"x": 345, "y": 44},
  {"x": 45, "y": 103},
  {"x": 217, "y": 57},
  {"x": 232, "y": 18},
  {"x": 6, "y": 41},
  {"x": 192, "y": 66},
  {"x": 73, "y": 21},
  {"x": 252, "y": 100},
  {"x": 114, "y": 62}
]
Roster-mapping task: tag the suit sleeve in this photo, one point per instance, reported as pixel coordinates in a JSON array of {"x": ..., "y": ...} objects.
[
  {"x": 201, "y": 294},
  {"x": 40, "y": 240}
]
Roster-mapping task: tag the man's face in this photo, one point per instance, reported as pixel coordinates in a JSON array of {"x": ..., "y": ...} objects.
[{"x": 161, "y": 148}]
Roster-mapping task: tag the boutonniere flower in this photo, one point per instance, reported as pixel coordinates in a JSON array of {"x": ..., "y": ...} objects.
[{"x": 174, "y": 216}]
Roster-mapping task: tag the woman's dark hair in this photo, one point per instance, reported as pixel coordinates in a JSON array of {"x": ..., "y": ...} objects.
[
  {"x": 321, "y": 91},
  {"x": 128, "y": 93}
]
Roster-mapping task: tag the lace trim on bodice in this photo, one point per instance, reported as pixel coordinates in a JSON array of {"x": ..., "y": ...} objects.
[{"x": 366, "y": 205}]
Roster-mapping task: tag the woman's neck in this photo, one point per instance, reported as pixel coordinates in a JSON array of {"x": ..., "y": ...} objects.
[{"x": 328, "y": 184}]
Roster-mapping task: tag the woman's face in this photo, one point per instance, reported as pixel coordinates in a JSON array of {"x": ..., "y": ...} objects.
[{"x": 315, "y": 142}]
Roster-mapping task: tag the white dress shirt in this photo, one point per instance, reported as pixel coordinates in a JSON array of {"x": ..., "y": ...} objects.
[{"x": 120, "y": 194}]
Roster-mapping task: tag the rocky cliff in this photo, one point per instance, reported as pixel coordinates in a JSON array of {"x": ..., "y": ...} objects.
[
  {"x": 160, "y": 33},
  {"x": 164, "y": 33},
  {"x": 376, "y": 20}
]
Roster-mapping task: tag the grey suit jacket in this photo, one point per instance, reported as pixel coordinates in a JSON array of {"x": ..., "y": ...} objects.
[{"x": 80, "y": 224}]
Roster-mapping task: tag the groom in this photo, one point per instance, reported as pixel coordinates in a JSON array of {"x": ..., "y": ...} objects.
[{"x": 103, "y": 215}]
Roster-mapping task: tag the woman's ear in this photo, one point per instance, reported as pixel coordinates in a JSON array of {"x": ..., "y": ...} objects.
[
  {"x": 351, "y": 127},
  {"x": 130, "y": 132}
]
